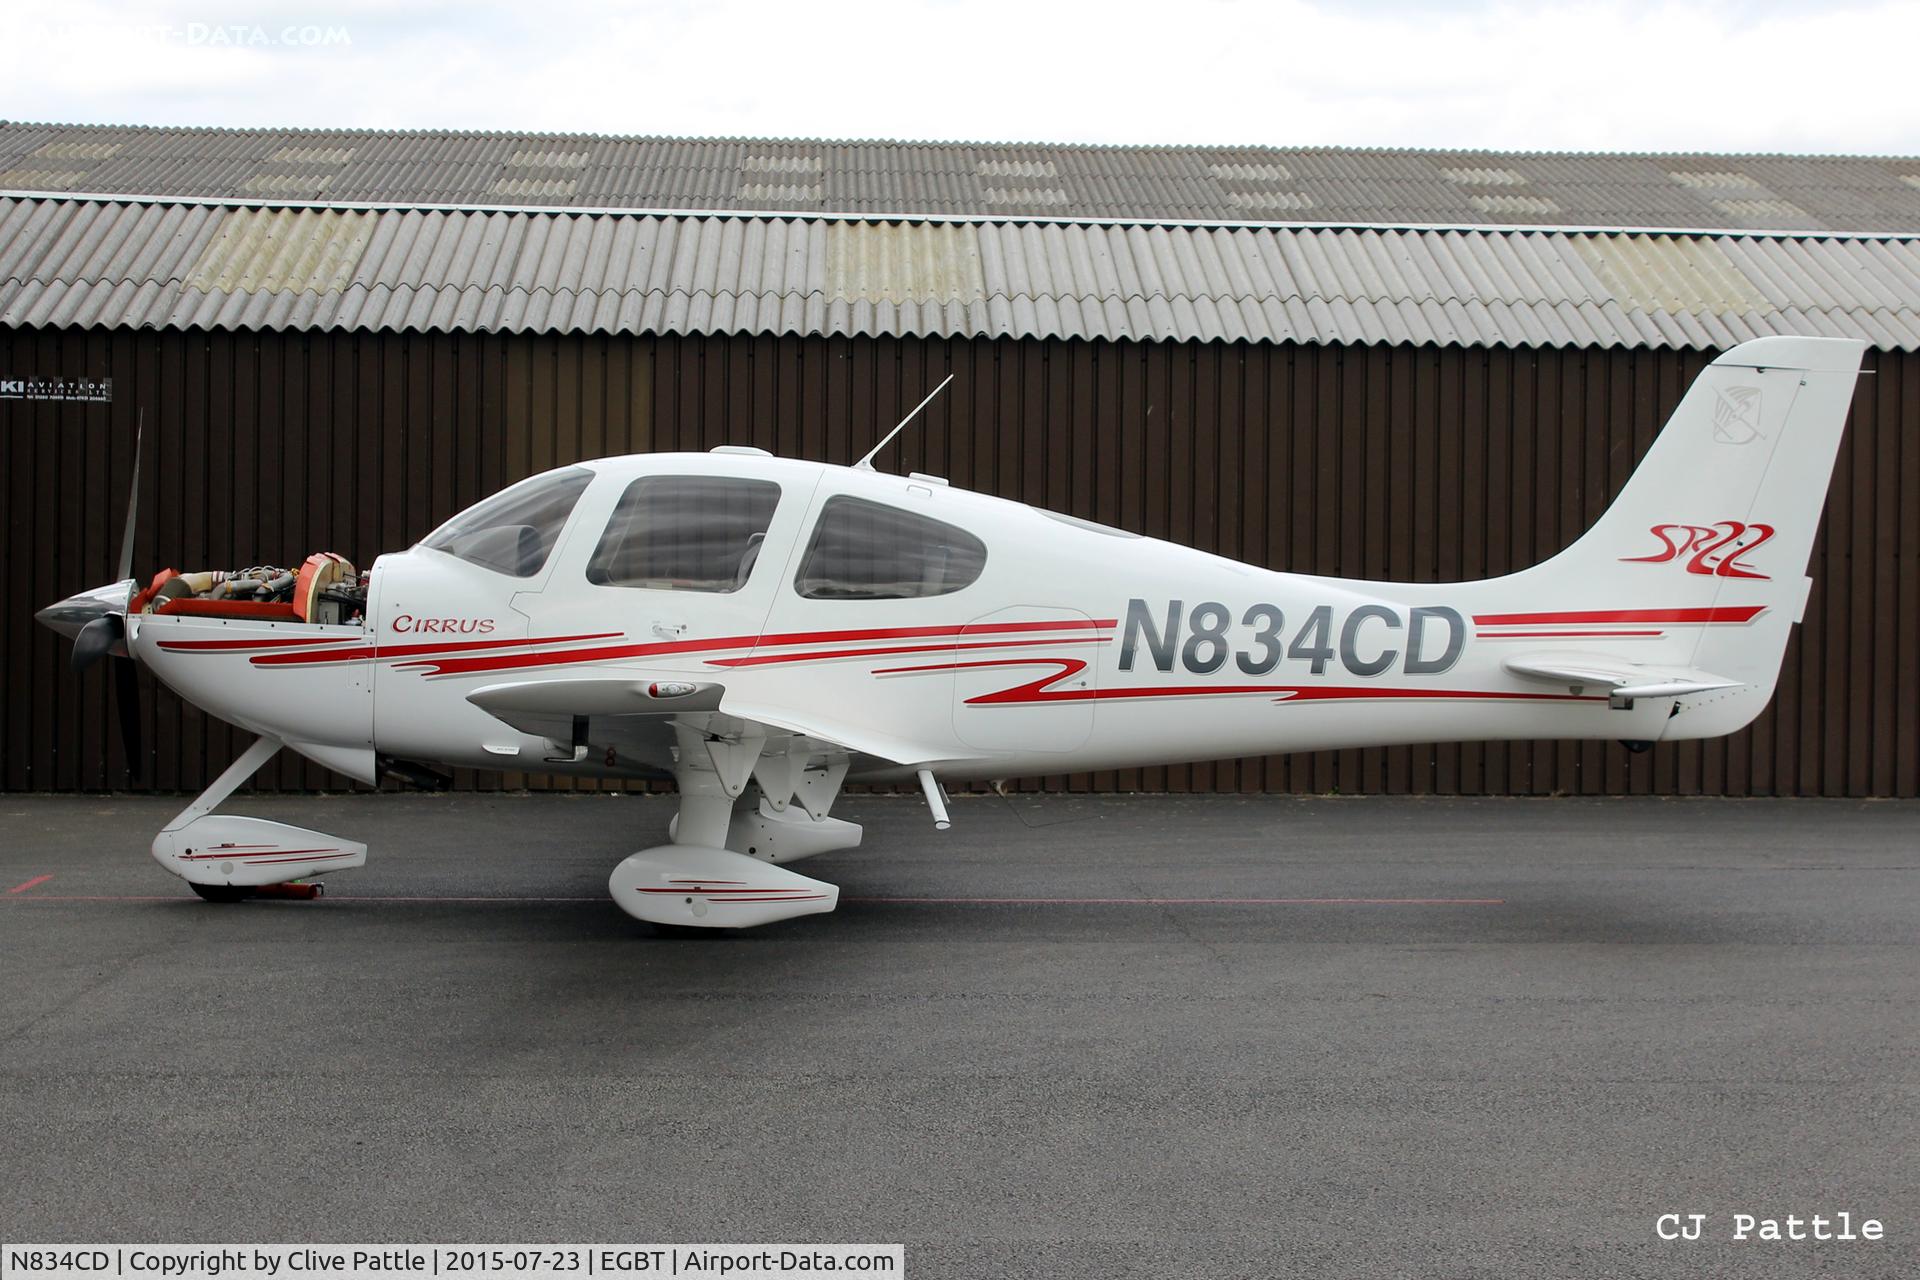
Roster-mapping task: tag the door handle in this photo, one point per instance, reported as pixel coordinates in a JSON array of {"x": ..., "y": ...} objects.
[{"x": 669, "y": 630}]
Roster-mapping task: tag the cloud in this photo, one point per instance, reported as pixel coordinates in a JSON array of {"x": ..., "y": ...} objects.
[{"x": 1616, "y": 75}]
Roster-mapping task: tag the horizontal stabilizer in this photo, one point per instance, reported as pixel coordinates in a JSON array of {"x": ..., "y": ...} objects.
[{"x": 1621, "y": 679}]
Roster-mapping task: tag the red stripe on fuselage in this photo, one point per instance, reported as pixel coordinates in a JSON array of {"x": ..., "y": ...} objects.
[
  {"x": 1516, "y": 635},
  {"x": 415, "y": 650},
  {"x": 1730, "y": 613},
  {"x": 218, "y": 646},
  {"x": 407, "y": 650},
  {"x": 1040, "y": 691},
  {"x": 621, "y": 652},
  {"x": 817, "y": 655}
]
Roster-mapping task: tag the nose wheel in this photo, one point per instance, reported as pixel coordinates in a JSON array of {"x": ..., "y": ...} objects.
[
  {"x": 219, "y": 892},
  {"x": 297, "y": 890}
]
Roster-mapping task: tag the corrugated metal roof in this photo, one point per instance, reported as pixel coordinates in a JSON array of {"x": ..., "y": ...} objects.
[
  {"x": 904, "y": 179},
  {"x": 176, "y": 264}
]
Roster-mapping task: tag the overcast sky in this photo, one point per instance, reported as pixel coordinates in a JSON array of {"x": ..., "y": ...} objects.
[{"x": 1598, "y": 76}]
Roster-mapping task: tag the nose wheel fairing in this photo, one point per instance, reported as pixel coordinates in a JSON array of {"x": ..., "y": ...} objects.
[
  {"x": 221, "y": 849},
  {"x": 209, "y": 849}
]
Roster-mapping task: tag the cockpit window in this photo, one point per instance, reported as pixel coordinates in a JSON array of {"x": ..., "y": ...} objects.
[
  {"x": 685, "y": 533},
  {"x": 866, "y": 551},
  {"x": 514, "y": 531}
]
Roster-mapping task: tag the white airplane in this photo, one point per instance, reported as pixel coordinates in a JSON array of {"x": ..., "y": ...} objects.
[{"x": 763, "y": 630}]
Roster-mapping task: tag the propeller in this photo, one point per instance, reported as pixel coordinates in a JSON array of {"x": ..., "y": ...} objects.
[
  {"x": 97, "y": 639},
  {"x": 126, "y": 701},
  {"x": 133, "y": 499},
  {"x": 97, "y": 621}
]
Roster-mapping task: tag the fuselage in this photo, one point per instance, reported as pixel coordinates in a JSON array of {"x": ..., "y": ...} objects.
[
  {"x": 762, "y": 629},
  {"x": 992, "y": 637}
]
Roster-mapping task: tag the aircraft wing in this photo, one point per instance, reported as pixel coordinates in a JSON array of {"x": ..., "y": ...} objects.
[
  {"x": 624, "y": 714},
  {"x": 1621, "y": 678}
]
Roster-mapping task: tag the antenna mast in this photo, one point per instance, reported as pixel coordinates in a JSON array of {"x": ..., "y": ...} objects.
[{"x": 866, "y": 463}]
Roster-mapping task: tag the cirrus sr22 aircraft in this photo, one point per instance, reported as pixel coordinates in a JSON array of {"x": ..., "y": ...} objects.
[{"x": 764, "y": 630}]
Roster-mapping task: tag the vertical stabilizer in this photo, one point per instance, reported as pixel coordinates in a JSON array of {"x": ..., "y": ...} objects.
[{"x": 1705, "y": 551}]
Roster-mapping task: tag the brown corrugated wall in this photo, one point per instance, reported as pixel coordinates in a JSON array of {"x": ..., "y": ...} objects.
[{"x": 1401, "y": 462}]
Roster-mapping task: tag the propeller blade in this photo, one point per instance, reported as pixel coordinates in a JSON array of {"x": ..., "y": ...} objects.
[
  {"x": 126, "y": 700},
  {"x": 96, "y": 640},
  {"x": 133, "y": 499}
]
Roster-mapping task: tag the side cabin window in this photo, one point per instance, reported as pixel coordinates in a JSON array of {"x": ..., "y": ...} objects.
[
  {"x": 685, "y": 533},
  {"x": 515, "y": 530},
  {"x": 864, "y": 550}
]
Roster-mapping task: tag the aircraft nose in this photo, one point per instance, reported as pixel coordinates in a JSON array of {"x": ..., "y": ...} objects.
[{"x": 71, "y": 615}]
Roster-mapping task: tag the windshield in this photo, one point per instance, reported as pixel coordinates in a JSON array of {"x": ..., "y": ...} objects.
[{"x": 515, "y": 530}]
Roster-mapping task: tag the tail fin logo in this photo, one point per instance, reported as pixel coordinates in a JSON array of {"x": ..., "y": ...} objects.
[
  {"x": 1714, "y": 550},
  {"x": 1736, "y": 415}
]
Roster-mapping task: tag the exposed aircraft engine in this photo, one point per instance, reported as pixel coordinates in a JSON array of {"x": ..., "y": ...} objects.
[{"x": 325, "y": 590}]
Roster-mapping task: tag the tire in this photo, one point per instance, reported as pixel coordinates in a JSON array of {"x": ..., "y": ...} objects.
[
  {"x": 684, "y": 932},
  {"x": 220, "y": 892}
]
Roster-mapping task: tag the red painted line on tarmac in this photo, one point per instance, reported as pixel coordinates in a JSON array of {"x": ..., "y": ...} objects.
[
  {"x": 22, "y": 888},
  {"x": 100, "y": 897},
  {"x": 903, "y": 901},
  {"x": 384, "y": 897},
  {"x": 332, "y": 897},
  {"x": 1198, "y": 902}
]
